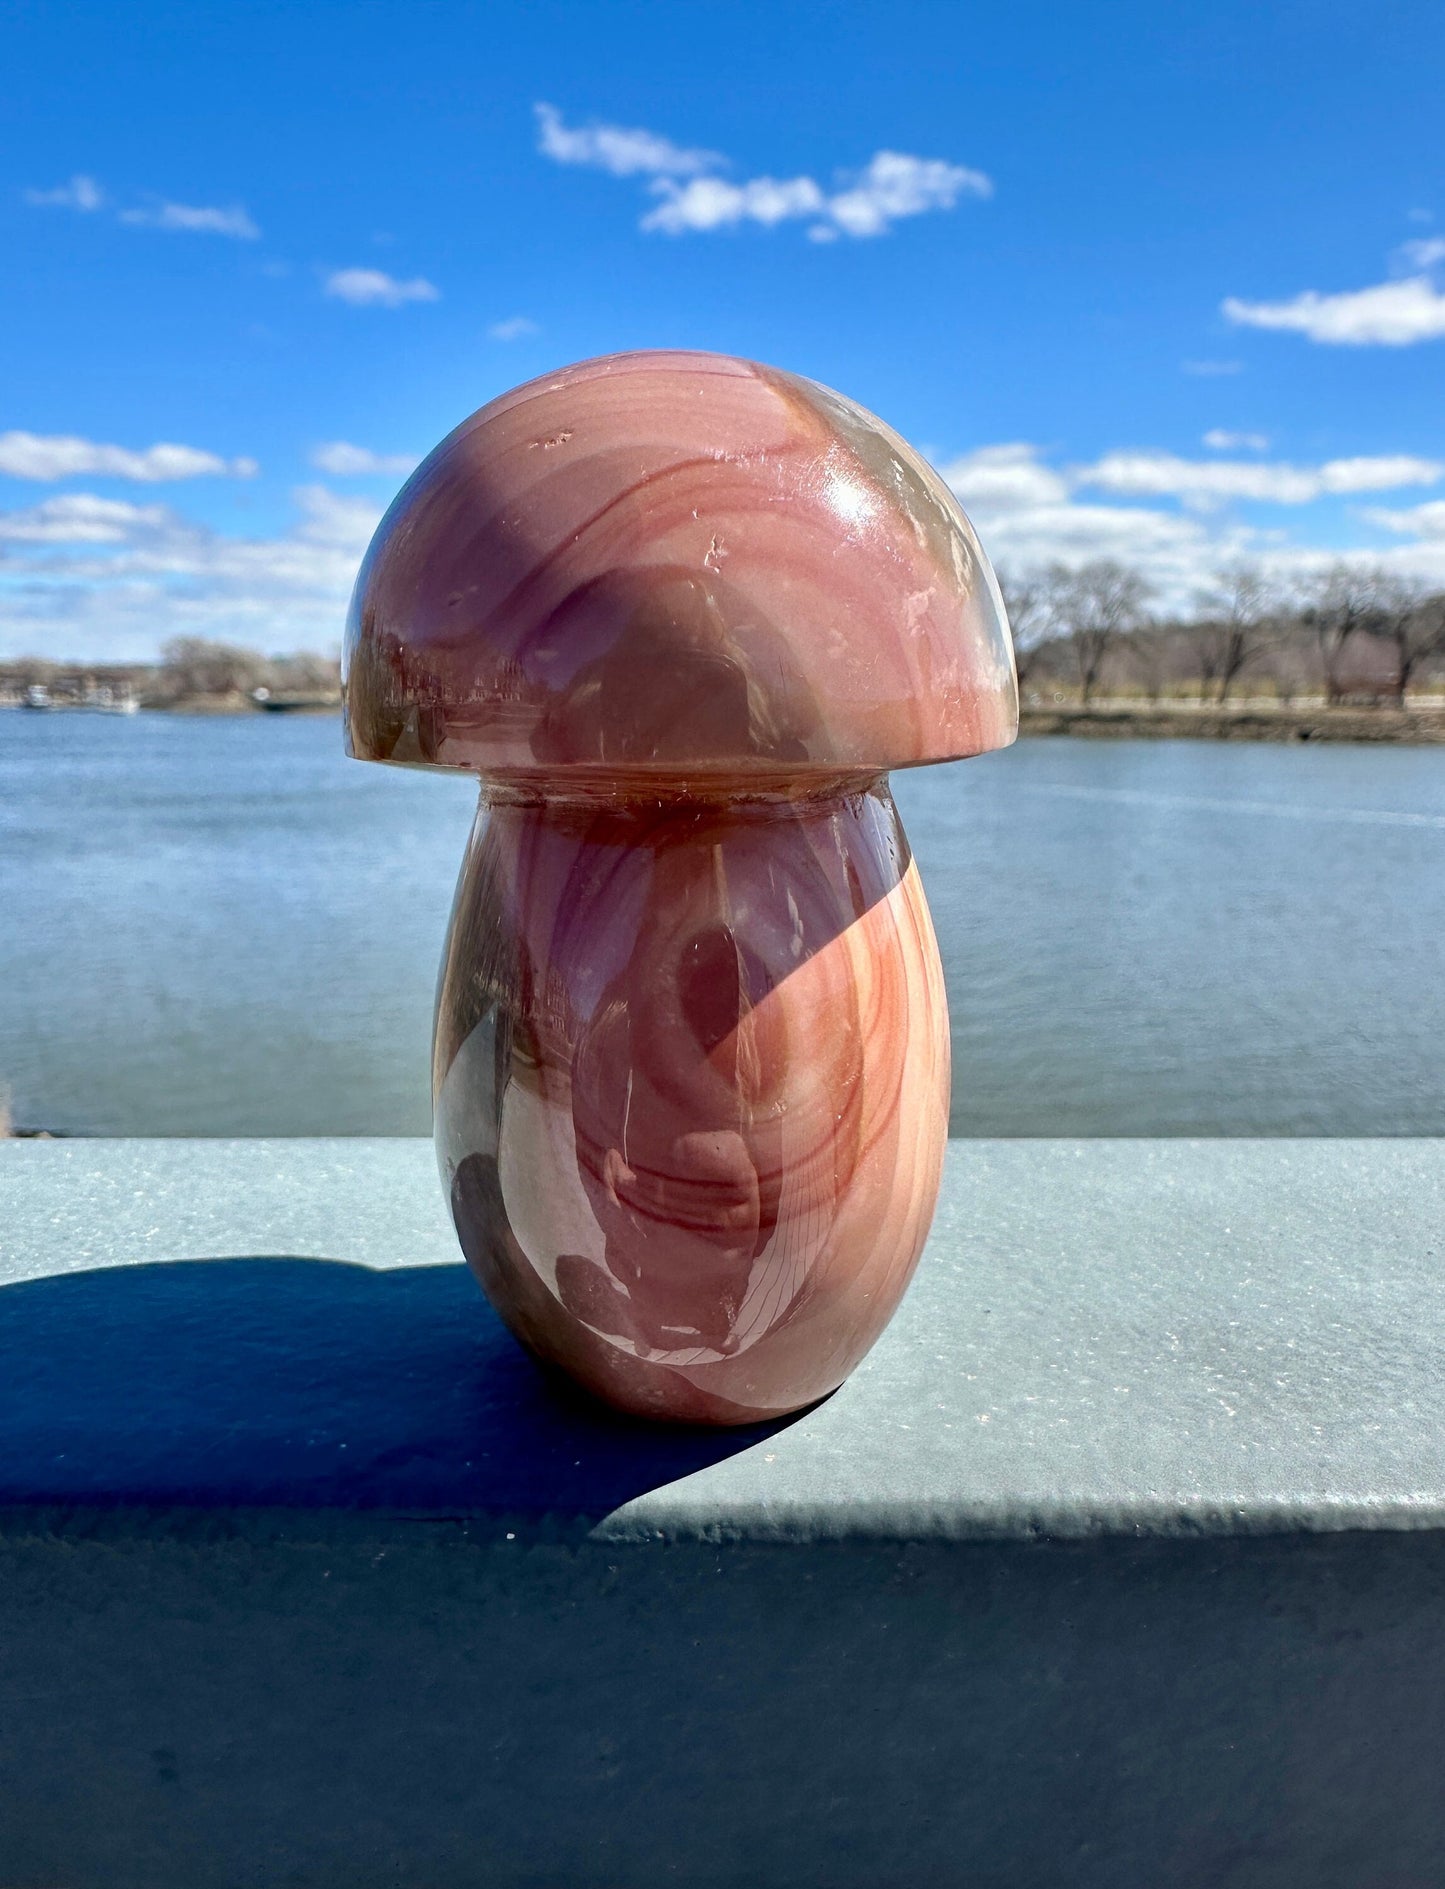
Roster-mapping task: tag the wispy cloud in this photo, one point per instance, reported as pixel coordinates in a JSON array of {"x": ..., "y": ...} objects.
[
  {"x": 1206, "y": 482},
  {"x": 513, "y": 328},
  {"x": 1005, "y": 478},
  {"x": 891, "y": 186},
  {"x": 894, "y": 185},
  {"x": 85, "y": 576},
  {"x": 1390, "y": 314},
  {"x": 1208, "y": 370},
  {"x": 339, "y": 522},
  {"x": 195, "y": 219},
  {"x": 1219, "y": 440},
  {"x": 47, "y": 457},
  {"x": 712, "y": 203},
  {"x": 615, "y": 148},
  {"x": 1422, "y": 252},
  {"x": 1028, "y": 516},
  {"x": 1032, "y": 513},
  {"x": 373, "y": 288},
  {"x": 1420, "y": 521},
  {"x": 1013, "y": 476},
  {"x": 81, "y": 518},
  {"x": 344, "y": 460},
  {"x": 81, "y": 193}
]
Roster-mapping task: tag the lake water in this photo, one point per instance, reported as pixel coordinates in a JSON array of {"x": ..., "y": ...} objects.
[{"x": 222, "y": 927}]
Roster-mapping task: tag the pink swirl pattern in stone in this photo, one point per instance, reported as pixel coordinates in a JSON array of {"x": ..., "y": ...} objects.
[
  {"x": 692, "y": 1090},
  {"x": 691, "y": 1063},
  {"x": 676, "y": 561}
]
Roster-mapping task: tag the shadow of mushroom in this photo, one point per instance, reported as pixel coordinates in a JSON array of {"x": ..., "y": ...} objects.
[{"x": 283, "y": 1382}]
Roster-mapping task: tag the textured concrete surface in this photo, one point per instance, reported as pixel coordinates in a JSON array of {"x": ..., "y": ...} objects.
[
  {"x": 1103, "y": 1337},
  {"x": 1120, "y": 1562}
]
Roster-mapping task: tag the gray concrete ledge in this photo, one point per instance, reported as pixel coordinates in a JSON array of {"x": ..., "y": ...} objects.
[
  {"x": 1119, "y": 1563},
  {"x": 1104, "y": 1338}
]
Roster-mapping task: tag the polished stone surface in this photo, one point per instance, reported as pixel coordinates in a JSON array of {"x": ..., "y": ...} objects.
[
  {"x": 1110, "y": 1338},
  {"x": 668, "y": 561},
  {"x": 692, "y": 1079}
]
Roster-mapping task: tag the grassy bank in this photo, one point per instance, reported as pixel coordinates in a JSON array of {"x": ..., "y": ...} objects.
[{"x": 1246, "y": 721}]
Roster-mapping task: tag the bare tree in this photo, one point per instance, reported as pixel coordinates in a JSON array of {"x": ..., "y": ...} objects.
[
  {"x": 1096, "y": 604},
  {"x": 1027, "y": 599},
  {"x": 1151, "y": 653},
  {"x": 1238, "y": 624},
  {"x": 194, "y": 666},
  {"x": 1411, "y": 619},
  {"x": 306, "y": 673},
  {"x": 1341, "y": 600}
]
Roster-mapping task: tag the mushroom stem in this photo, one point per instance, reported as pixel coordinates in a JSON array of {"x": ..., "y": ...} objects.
[{"x": 691, "y": 1082}]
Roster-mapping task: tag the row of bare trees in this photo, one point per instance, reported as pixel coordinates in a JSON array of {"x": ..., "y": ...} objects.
[
  {"x": 1079, "y": 619},
  {"x": 194, "y": 666},
  {"x": 191, "y": 668}
]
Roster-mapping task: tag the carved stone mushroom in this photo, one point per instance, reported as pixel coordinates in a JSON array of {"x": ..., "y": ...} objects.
[{"x": 681, "y": 613}]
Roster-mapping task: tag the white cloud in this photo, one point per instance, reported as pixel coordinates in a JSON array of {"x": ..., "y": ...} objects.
[
  {"x": 1220, "y": 441},
  {"x": 1209, "y": 369},
  {"x": 61, "y": 456},
  {"x": 81, "y": 518},
  {"x": 614, "y": 148},
  {"x": 343, "y": 460},
  {"x": 195, "y": 219},
  {"x": 513, "y": 328},
  {"x": 1004, "y": 478},
  {"x": 892, "y": 185},
  {"x": 1378, "y": 473},
  {"x": 342, "y": 523},
  {"x": 1391, "y": 314},
  {"x": 1423, "y": 252},
  {"x": 1027, "y": 517},
  {"x": 86, "y": 577},
  {"x": 373, "y": 288},
  {"x": 83, "y": 576},
  {"x": 1030, "y": 514},
  {"x": 84, "y": 193},
  {"x": 712, "y": 203},
  {"x": 1420, "y": 521},
  {"x": 1175, "y": 553},
  {"x": 81, "y": 193},
  {"x": 1214, "y": 481}
]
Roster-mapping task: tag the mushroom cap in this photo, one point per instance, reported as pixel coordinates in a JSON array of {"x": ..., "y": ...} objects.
[{"x": 675, "y": 564}]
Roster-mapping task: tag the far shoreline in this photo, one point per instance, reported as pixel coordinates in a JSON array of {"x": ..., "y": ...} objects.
[{"x": 1249, "y": 719}]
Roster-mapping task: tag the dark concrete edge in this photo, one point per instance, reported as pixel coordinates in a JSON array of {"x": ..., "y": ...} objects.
[
  {"x": 1046, "y": 1520},
  {"x": 859, "y": 1525}
]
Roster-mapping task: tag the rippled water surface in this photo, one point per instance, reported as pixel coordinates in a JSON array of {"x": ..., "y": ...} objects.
[{"x": 223, "y": 927}]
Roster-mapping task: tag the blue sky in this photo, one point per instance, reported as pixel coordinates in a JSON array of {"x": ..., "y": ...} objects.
[{"x": 1161, "y": 282}]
